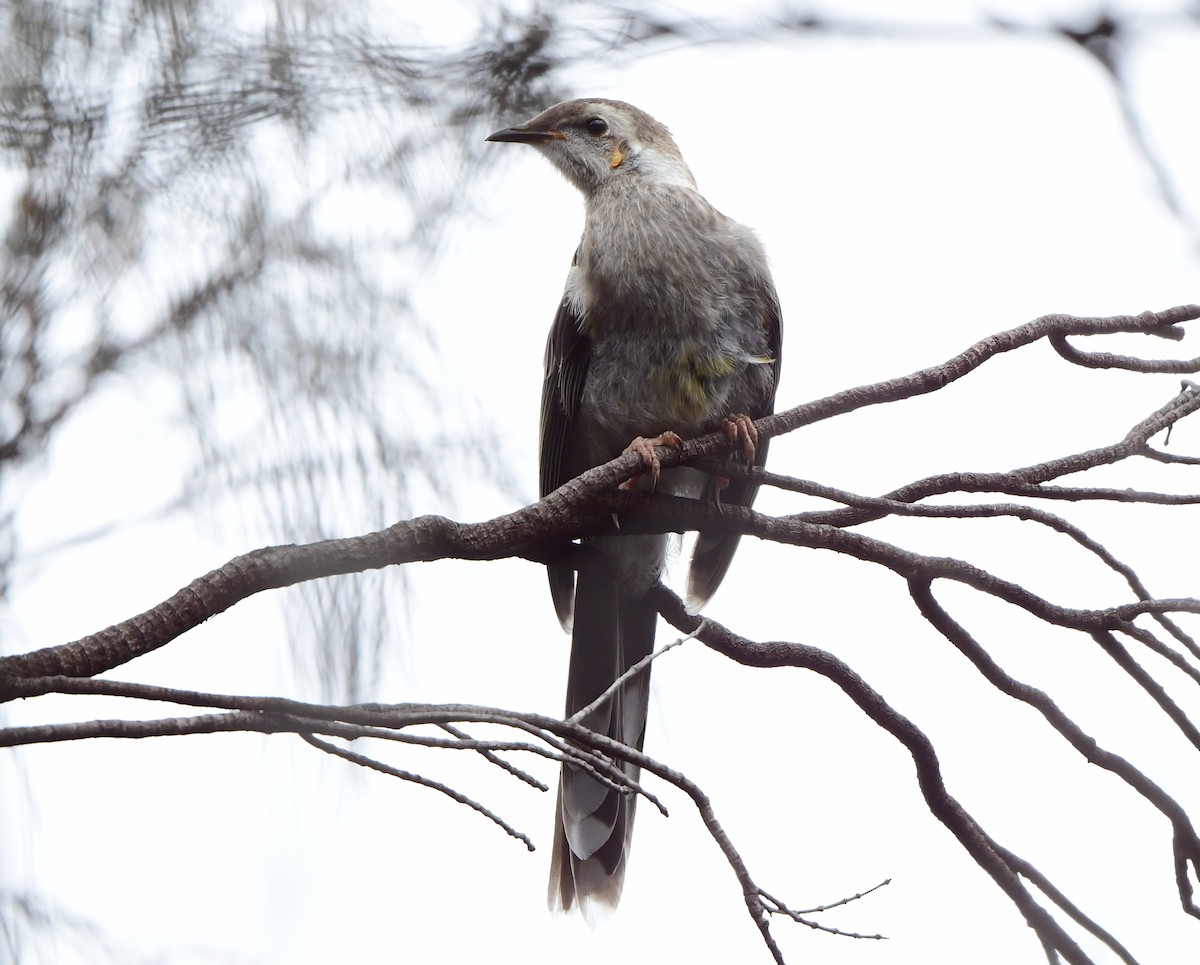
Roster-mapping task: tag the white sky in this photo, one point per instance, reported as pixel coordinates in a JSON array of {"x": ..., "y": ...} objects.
[{"x": 913, "y": 197}]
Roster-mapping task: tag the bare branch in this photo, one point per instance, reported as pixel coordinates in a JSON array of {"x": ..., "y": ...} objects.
[
  {"x": 464, "y": 739},
  {"x": 939, "y": 376},
  {"x": 589, "y": 505},
  {"x": 371, "y": 763},
  {"x": 629, "y": 674},
  {"x": 777, "y": 907},
  {"x": 1186, "y": 844},
  {"x": 1047, "y": 887},
  {"x": 581, "y": 507},
  {"x": 943, "y": 806}
]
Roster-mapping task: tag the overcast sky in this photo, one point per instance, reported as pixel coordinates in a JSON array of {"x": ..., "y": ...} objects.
[{"x": 914, "y": 195}]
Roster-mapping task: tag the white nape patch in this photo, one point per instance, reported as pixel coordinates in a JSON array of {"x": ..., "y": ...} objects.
[{"x": 663, "y": 168}]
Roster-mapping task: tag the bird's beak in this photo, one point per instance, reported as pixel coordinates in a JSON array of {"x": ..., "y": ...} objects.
[{"x": 525, "y": 135}]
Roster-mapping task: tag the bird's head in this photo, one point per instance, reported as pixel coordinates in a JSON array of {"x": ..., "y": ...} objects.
[{"x": 593, "y": 141}]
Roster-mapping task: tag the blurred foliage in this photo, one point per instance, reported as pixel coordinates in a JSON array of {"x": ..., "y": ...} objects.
[{"x": 225, "y": 208}]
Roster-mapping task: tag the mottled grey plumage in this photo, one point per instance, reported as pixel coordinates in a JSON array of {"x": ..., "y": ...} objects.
[{"x": 669, "y": 321}]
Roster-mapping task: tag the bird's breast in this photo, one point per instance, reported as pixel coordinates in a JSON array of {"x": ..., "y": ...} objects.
[
  {"x": 642, "y": 385},
  {"x": 666, "y": 290}
]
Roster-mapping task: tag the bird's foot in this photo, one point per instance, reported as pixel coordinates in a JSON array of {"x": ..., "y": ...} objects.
[
  {"x": 742, "y": 435},
  {"x": 645, "y": 449},
  {"x": 719, "y": 485}
]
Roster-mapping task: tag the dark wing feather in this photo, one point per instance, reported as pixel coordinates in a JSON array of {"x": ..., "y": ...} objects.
[
  {"x": 713, "y": 553},
  {"x": 568, "y": 352}
]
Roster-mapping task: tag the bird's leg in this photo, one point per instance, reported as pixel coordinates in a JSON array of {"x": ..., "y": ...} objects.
[
  {"x": 645, "y": 449},
  {"x": 739, "y": 427}
]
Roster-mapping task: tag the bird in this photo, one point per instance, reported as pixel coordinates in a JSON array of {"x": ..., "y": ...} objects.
[{"x": 669, "y": 326}]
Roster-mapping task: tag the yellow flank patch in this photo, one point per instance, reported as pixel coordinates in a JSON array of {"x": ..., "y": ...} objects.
[
  {"x": 617, "y": 157},
  {"x": 689, "y": 382},
  {"x": 707, "y": 366}
]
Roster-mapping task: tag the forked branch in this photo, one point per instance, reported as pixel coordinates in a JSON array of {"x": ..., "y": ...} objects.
[{"x": 588, "y": 505}]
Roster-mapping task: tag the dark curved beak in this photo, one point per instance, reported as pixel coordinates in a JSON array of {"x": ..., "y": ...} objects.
[{"x": 524, "y": 135}]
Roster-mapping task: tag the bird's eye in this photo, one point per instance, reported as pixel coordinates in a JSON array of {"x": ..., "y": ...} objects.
[{"x": 597, "y": 126}]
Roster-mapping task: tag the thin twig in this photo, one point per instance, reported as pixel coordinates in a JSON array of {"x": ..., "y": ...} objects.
[
  {"x": 1186, "y": 843},
  {"x": 368, "y": 762},
  {"x": 835, "y": 904},
  {"x": 584, "y": 506},
  {"x": 579, "y": 716},
  {"x": 465, "y": 739},
  {"x": 777, "y": 907},
  {"x": 943, "y": 806},
  {"x": 1051, "y": 891}
]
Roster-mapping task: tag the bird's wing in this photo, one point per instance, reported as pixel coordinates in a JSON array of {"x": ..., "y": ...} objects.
[
  {"x": 568, "y": 352},
  {"x": 713, "y": 553}
]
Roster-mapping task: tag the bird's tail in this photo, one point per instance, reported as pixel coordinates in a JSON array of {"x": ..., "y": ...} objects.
[{"x": 613, "y": 630}]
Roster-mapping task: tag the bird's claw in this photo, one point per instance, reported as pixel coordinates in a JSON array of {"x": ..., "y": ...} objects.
[
  {"x": 650, "y": 463},
  {"x": 742, "y": 435}
]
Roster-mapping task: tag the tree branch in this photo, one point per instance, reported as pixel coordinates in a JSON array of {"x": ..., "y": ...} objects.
[
  {"x": 589, "y": 504},
  {"x": 775, "y": 653},
  {"x": 582, "y": 507}
]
